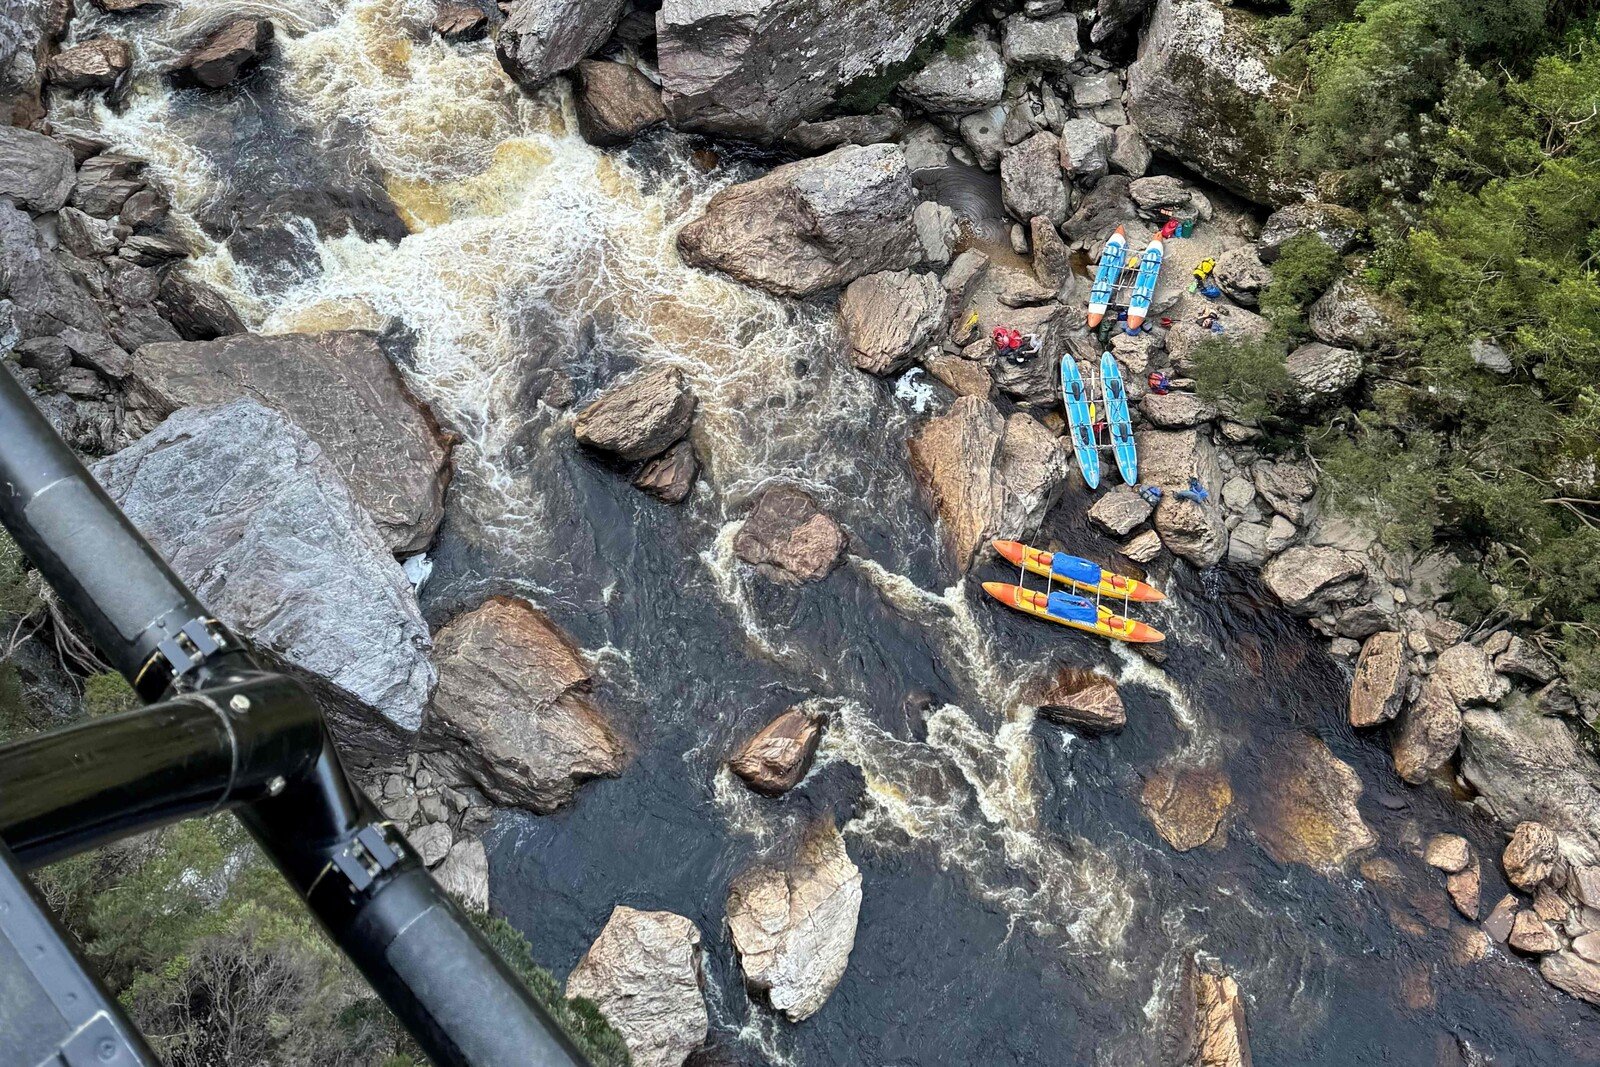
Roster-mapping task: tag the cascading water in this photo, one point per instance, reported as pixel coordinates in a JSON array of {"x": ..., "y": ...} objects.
[{"x": 1018, "y": 907}]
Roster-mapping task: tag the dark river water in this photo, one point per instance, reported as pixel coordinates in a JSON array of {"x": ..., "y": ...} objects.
[{"x": 1018, "y": 907}]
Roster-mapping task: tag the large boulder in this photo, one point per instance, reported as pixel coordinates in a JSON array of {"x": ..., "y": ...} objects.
[
  {"x": 1119, "y": 511},
  {"x": 1169, "y": 458},
  {"x": 615, "y": 103},
  {"x": 1470, "y": 675},
  {"x": 36, "y": 172},
  {"x": 779, "y": 756},
  {"x": 1086, "y": 149},
  {"x": 1529, "y": 767},
  {"x": 1197, "y": 90},
  {"x": 1047, "y": 43},
  {"x": 1321, "y": 372},
  {"x": 1084, "y": 700},
  {"x": 98, "y": 64},
  {"x": 788, "y": 538},
  {"x": 513, "y": 713},
  {"x": 339, "y": 388},
  {"x": 253, "y": 515},
  {"x": 197, "y": 310},
  {"x": 1195, "y": 531},
  {"x": 1531, "y": 856},
  {"x": 28, "y": 32},
  {"x": 811, "y": 225},
  {"x": 987, "y": 475},
  {"x": 1310, "y": 579},
  {"x": 644, "y": 974},
  {"x": 1380, "y": 681},
  {"x": 1571, "y": 973},
  {"x": 226, "y": 53},
  {"x": 793, "y": 927},
  {"x": 640, "y": 418},
  {"x": 1354, "y": 315},
  {"x": 542, "y": 38},
  {"x": 755, "y": 68},
  {"x": 1337, "y": 227},
  {"x": 889, "y": 318},
  {"x": 1428, "y": 734},
  {"x": 1031, "y": 180},
  {"x": 1308, "y": 811},
  {"x": 959, "y": 82},
  {"x": 45, "y": 298},
  {"x": 464, "y": 874}
]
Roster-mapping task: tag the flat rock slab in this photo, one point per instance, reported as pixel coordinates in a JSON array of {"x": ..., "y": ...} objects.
[
  {"x": 339, "y": 388},
  {"x": 252, "y": 514},
  {"x": 1186, "y": 804},
  {"x": 1308, "y": 813}
]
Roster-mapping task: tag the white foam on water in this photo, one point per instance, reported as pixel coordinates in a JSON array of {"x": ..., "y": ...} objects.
[
  {"x": 913, "y": 388},
  {"x": 972, "y": 796}
]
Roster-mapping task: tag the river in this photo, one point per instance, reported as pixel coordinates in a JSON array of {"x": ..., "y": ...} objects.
[{"x": 1017, "y": 905}]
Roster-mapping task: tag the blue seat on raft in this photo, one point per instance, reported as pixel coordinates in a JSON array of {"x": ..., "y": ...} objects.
[
  {"x": 1073, "y": 608},
  {"x": 1074, "y": 569}
]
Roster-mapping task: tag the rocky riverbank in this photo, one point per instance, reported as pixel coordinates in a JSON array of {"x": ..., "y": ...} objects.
[{"x": 288, "y": 476}]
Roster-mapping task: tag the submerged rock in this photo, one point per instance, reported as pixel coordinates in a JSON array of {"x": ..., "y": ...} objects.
[
  {"x": 639, "y": 418},
  {"x": 226, "y": 53},
  {"x": 1186, "y": 804},
  {"x": 756, "y": 68},
  {"x": 793, "y": 928},
  {"x": 1308, "y": 813},
  {"x": 615, "y": 103},
  {"x": 1081, "y": 699},
  {"x": 1428, "y": 733},
  {"x": 339, "y": 388},
  {"x": 644, "y": 974},
  {"x": 889, "y": 318},
  {"x": 513, "y": 714},
  {"x": 1380, "y": 681},
  {"x": 776, "y": 759},
  {"x": 788, "y": 538},
  {"x": 811, "y": 225},
  {"x": 987, "y": 475},
  {"x": 542, "y": 38},
  {"x": 252, "y": 514},
  {"x": 1197, "y": 91},
  {"x": 1208, "y": 1024}
]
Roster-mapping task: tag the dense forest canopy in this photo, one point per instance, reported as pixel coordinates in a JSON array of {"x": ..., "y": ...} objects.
[{"x": 1469, "y": 135}]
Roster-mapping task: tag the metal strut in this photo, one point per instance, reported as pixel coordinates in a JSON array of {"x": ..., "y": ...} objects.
[{"x": 221, "y": 734}]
